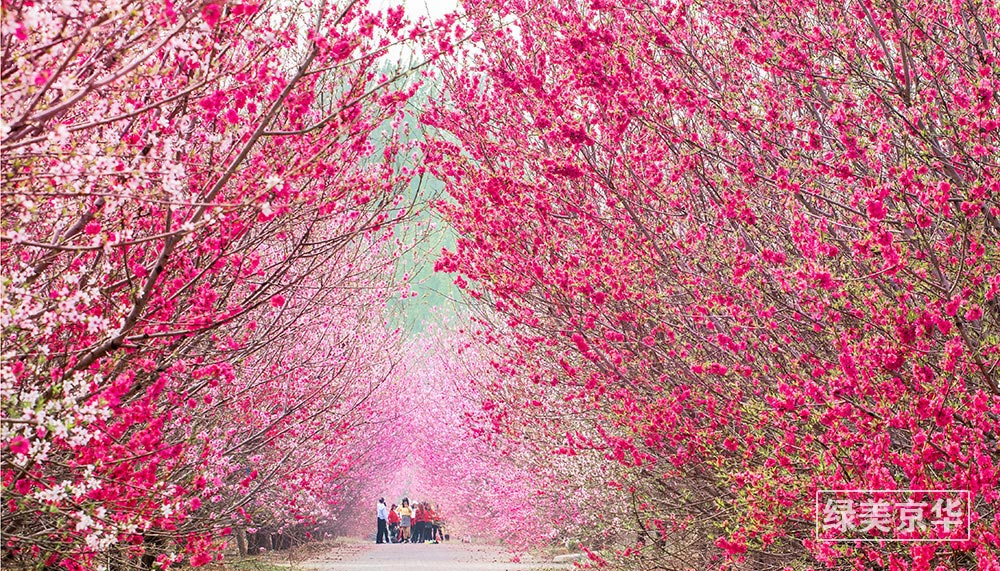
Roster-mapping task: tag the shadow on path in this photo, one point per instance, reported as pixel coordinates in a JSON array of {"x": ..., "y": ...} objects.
[{"x": 440, "y": 557}]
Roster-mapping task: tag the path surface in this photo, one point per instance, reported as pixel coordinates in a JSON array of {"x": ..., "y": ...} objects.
[{"x": 439, "y": 557}]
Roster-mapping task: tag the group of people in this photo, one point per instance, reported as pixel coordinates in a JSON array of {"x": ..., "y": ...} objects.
[{"x": 419, "y": 523}]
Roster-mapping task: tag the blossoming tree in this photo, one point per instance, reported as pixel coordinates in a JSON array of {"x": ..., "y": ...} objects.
[
  {"x": 197, "y": 239},
  {"x": 748, "y": 250}
]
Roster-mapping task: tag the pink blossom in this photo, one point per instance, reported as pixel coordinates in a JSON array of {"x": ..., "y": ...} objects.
[
  {"x": 975, "y": 313},
  {"x": 19, "y": 445},
  {"x": 211, "y": 13}
]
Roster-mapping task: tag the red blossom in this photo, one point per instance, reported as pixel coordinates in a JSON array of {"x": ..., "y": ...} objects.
[
  {"x": 211, "y": 13},
  {"x": 19, "y": 445}
]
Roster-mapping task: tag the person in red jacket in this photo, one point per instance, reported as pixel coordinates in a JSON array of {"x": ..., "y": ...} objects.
[
  {"x": 431, "y": 524},
  {"x": 423, "y": 522},
  {"x": 393, "y": 525},
  {"x": 437, "y": 525}
]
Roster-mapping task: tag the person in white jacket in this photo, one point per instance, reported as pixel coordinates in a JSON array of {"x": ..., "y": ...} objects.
[{"x": 381, "y": 517}]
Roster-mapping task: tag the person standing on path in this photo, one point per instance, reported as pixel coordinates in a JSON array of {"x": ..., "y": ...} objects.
[
  {"x": 437, "y": 535},
  {"x": 424, "y": 521},
  {"x": 393, "y": 524},
  {"x": 405, "y": 516},
  {"x": 418, "y": 523},
  {"x": 381, "y": 515}
]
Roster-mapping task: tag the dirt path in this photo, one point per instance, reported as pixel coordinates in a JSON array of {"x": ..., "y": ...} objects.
[{"x": 439, "y": 557}]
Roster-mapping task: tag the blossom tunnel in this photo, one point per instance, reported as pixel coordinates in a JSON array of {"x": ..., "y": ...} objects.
[{"x": 674, "y": 283}]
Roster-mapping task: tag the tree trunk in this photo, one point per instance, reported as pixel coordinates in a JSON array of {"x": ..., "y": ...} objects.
[{"x": 241, "y": 541}]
